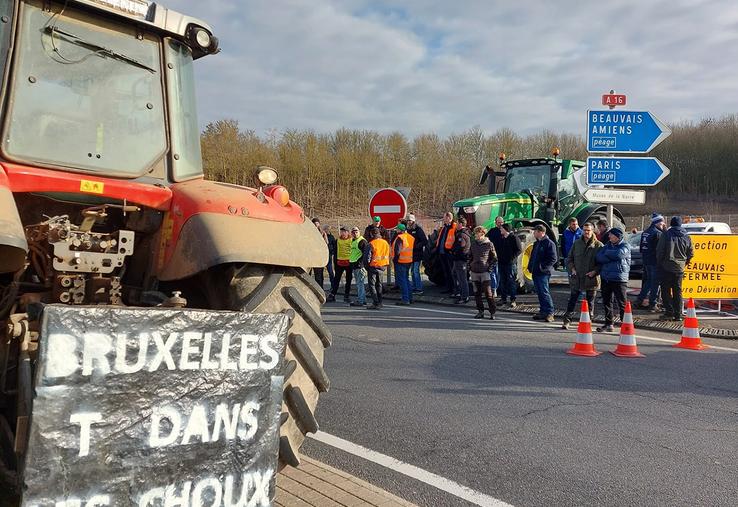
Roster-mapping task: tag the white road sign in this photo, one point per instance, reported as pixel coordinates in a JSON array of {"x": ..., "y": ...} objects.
[{"x": 613, "y": 196}]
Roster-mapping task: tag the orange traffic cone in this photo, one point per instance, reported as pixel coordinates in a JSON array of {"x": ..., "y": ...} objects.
[
  {"x": 627, "y": 343},
  {"x": 584, "y": 346},
  {"x": 691, "y": 331}
]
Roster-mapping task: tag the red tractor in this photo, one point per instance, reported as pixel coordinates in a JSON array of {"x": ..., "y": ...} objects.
[{"x": 103, "y": 201}]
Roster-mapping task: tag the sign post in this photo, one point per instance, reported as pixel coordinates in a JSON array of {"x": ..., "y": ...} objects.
[{"x": 614, "y": 132}]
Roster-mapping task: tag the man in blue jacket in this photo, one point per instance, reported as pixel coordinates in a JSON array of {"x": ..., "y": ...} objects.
[
  {"x": 650, "y": 283},
  {"x": 614, "y": 266},
  {"x": 541, "y": 263},
  {"x": 571, "y": 234}
]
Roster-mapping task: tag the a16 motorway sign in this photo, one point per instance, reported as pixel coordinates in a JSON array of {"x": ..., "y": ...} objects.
[{"x": 624, "y": 131}]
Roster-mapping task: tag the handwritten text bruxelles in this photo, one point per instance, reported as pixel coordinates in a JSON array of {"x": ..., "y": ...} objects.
[{"x": 121, "y": 353}]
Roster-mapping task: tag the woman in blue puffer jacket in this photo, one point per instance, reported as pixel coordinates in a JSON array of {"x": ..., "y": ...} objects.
[{"x": 614, "y": 266}]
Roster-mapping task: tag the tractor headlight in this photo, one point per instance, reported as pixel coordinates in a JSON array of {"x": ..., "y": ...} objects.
[
  {"x": 266, "y": 175},
  {"x": 471, "y": 209},
  {"x": 203, "y": 39}
]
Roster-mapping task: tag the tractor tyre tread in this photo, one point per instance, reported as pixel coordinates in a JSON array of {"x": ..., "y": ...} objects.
[
  {"x": 309, "y": 362},
  {"x": 276, "y": 289}
]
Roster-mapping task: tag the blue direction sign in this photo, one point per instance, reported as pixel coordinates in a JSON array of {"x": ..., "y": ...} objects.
[
  {"x": 624, "y": 131},
  {"x": 625, "y": 171}
]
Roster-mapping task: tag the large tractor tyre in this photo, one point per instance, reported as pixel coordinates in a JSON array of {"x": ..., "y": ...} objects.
[
  {"x": 274, "y": 289},
  {"x": 524, "y": 277}
]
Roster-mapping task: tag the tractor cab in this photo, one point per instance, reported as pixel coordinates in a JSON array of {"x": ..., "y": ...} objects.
[
  {"x": 104, "y": 87},
  {"x": 521, "y": 191}
]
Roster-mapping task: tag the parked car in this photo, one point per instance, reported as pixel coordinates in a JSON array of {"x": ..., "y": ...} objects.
[
  {"x": 636, "y": 261},
  {"x": 707, "y": 228}
]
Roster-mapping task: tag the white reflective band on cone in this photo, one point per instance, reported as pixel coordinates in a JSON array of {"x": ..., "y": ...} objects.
[
  {"x": 585, "y": 338},
  {"x": 627, "y": 339},
  {"x": 691, "y": 332}
]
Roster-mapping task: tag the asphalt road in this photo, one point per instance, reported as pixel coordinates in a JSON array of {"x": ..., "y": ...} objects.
[{"x": 498, "y": 407}]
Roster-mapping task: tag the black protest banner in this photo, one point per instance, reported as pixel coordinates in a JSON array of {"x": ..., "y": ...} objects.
[{"x": 154, "y": 407}]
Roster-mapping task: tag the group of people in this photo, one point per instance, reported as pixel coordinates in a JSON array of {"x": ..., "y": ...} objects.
[
  {"x": 487, "y": 258},
  {"x": 602, "y": 262},
  {"x": 666, "y": 252},
  {"x": 596, "y": 257},
  {"x": 364, "y": 258}
]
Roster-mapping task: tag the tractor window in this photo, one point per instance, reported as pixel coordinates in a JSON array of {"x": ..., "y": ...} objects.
[
  {"x": 87, "y": 94},
  {"x": 533, "y": 178},
  {"x": 182, "y": 111}
]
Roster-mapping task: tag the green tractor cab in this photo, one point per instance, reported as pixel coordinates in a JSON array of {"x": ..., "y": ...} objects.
[{"x": 527, "y": 193}]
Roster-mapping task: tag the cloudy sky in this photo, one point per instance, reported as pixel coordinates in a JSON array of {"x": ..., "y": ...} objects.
[{"x": 445, "y": 66}]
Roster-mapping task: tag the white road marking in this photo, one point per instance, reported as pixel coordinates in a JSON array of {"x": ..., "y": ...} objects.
[
  {"x": 387, "y": 208},
  {"x": 446, "y": 485},
  {"x": 538, "y": 324}
]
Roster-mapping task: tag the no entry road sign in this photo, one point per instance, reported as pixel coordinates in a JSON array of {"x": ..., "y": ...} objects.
[
  {"x": 389, "y": 205},
  {"x": 624, "y": 131},
  {"x": 625, "y": 171}
]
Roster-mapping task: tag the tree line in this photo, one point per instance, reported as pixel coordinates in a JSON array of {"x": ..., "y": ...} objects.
[{"x": 331, "y": 174}]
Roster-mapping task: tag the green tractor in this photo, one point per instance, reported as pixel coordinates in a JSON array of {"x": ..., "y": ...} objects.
[{"x": 527, "y": 193}]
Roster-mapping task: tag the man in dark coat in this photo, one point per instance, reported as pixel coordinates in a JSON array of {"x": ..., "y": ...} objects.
[
  {"x": 507, "y": 259},
  {"x": 417, "y": 232},
  {"x": 460, "y": 253},
  {"x": 542, "y": 260},
  {"x": 495, "y": 236},
  {"x": 673, "y": 252},
  {"x": 583, "y": 271},
  {"x": 650, "y": 283},
  {"x": 447, "y": 231}
]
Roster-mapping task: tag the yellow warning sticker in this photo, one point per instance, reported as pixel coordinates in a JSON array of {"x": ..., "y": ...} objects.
[
  {"x": 93, "y": 187},
  {"x": 713, "y": 272}
]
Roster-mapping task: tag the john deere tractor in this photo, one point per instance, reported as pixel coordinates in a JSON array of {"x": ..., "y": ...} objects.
[{"x": 533, "y": 191}]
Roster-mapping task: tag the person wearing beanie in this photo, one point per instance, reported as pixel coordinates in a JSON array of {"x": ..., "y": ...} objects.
[
  {"x": 377, "y": 223},
  {"x": 673, "y": 252},
  {"x": 613, "y": 261},
  {"x": 650, "y": 282}
]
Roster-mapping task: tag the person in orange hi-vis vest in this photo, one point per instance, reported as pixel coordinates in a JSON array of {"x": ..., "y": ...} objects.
[
  {"x": 402, "y": 254},
  {"x": 444, "y": 244},
  {"x": 376, "y": 260}
]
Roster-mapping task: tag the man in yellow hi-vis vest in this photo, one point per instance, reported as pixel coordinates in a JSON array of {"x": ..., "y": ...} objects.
[
  {"x": 343, "y": 265},
  {"x": 402, "y": 254},
  {"x": 358, "y": 247}
]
